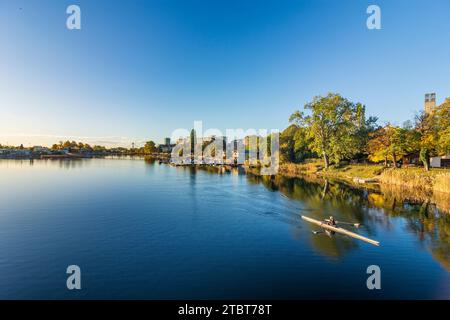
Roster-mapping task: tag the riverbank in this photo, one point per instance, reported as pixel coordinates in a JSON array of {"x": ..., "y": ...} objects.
[{"x": 435, "y": 180}]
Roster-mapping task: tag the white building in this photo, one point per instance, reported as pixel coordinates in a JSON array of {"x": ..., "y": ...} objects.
[{"x": 440, "y": 162}]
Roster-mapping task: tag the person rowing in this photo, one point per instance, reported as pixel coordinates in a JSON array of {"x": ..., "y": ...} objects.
[
  {"x": 334, "y": 223},
  {"x": 331, "y": 221},
  {"x": 330, "y": 226}
]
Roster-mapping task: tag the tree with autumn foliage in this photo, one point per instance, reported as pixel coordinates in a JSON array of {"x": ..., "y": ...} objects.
[
  {"x": 333, "y": 128},
  {"x": 391, "y": 143},
  {"x": 443, "y": 128}
]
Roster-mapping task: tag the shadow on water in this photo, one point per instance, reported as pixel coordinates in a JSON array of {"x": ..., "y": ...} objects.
[{"x": 426, "y": 218}]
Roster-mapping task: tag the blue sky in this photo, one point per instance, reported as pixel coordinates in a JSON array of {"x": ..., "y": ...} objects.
[{"x": 137, "y": 70}]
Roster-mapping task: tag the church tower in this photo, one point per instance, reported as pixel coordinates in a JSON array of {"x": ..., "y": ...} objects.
[{"x": 430, "y": 102}]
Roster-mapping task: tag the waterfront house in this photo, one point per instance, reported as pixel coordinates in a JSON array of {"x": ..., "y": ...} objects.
[
  {"x": 411, "y": 159},
  {"x": 440, "y": 162},
  {"x": 41, "y": 150}
]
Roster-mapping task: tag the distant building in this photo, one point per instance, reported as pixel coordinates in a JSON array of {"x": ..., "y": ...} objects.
[
  {"x": 440, "y": 162},
  {"x": 166, "y": 147},
  {"x": 41, "y": 149},
  {"x": 430, "y": 102},
  {"x": 411, "y": 159},
  {"x": 430, "y": 106}
]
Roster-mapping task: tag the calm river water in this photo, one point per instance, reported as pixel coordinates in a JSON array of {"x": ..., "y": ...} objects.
[{"x": 142, "y": 230}]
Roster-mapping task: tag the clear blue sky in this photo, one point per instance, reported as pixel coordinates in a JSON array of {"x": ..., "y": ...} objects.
[{"x": 138, "y": 70}]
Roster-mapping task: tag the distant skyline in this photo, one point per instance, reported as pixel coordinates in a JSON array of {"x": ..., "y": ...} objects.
[{"x": 137, "y": 70}]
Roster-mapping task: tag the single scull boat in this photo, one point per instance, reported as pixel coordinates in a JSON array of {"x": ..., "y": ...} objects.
[{"x": 340, "y": 230}]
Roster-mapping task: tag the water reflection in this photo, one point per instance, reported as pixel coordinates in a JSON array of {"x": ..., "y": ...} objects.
[
  {"x": 370, "y": 207},
  {"x": 427, "y": 216}
]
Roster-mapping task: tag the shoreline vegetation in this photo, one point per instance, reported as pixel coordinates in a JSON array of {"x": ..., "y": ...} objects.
[
  {"x": 381, "y": 191},
  {"x": 435, "y": 180},
  {"x": 331, "y": 138},
  {"x": 378, "y": 194},
  {"x": 412, "y": 184}
]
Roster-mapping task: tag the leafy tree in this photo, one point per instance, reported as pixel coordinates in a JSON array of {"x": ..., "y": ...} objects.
[
  {"x": 443, "y": 128},
  {"x": 378, "y": 146},
  {"x": 399, "y": 143},
  {"x": 365, "y": 127},
  {"x": 287, "y": 142},
  {"x": 427, "y": 129},
  {"x": 149, "y": 147},
  {"x": 390, "y": 143},
  {"x": 193, "y": 139},
  {"x": 294, "y": 144},
  {"x": 333, "y": 126},
  {"x": 99, "y": 148}
]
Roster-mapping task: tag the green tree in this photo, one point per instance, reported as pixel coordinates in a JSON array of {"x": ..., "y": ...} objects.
[
  {"x": 378, "y": 145},
  {"x": 365, "y": 127},
  {"x": 99, "y": 148},
  {"x": 391, "y": 143},
  {"x": 193, "y": 139},
  {"x": 332, "y": 127},
  {"x": 443, "y": 128},
  {"x": 294, "y": 144},
  {"x": 427, "y": 129},
  {"x": 149, "y": 147}
]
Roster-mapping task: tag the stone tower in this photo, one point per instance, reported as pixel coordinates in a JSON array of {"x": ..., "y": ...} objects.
[{"x": 430, "y": 102}]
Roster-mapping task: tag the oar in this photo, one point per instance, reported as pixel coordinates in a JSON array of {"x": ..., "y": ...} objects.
[
  {"x": 357, "y": 225},
  {"x": 349, "y": 223}
]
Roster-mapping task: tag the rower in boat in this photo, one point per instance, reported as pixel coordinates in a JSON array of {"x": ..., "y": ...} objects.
[
  {"x": 335, "y": 229},
  {"x": 331, "y": 221}
]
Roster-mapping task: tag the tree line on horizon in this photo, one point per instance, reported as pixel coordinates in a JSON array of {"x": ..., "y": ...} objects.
[
  {"x": 335, "y": 129},
  {"x": 148, "y": 148}
]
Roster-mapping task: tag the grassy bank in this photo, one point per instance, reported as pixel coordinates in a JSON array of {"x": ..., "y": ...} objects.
[
  {"x": 347, "y": 172},
  {"x": 435, "y": 180}
]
